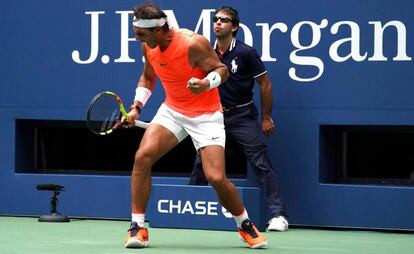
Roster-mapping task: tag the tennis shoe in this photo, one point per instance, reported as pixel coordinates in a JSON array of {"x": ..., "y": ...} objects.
[
  {"x": 137, "y": 237},
  {"x": 250, "y": 235},
  {"x": 278, "y": 223}
]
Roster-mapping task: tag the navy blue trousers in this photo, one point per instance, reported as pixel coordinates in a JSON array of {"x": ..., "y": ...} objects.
[{"x": 242, "y": 126}]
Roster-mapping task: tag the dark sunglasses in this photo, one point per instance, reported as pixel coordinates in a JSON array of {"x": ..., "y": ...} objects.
[{"x": 222, "y": 19}]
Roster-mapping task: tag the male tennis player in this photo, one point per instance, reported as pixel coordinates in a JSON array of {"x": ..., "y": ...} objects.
[
  {"x": 240, "y": 113},
  {"x": 190, "y": 72}
]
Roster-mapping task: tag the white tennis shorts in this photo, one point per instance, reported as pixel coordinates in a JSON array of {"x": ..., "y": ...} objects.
[{"x": 204, "y": 130}]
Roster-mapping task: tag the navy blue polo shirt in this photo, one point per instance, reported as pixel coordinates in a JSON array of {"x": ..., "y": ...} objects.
[{"x": 244, "y": 66}]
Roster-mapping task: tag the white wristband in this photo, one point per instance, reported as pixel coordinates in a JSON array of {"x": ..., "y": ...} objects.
[
  {"x": 142, "y": 94},
  {"x": 214, "y": 78}
]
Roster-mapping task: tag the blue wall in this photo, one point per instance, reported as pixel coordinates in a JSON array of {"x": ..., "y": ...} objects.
[{"x": 41, "y": 79}]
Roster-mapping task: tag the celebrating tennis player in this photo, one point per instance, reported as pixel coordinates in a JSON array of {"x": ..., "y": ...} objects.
[{"x": 190, "y": 73}]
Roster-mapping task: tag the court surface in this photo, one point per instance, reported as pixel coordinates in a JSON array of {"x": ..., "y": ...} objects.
[{"x": 27, "y": 235}]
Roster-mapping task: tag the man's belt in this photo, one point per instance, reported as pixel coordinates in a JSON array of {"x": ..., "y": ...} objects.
[{"x": 233, "y": 107}]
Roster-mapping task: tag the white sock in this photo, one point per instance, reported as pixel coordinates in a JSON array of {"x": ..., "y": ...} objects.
[
  {"x": 139, "y": 218},
  {"x": 240, "y": 218}
]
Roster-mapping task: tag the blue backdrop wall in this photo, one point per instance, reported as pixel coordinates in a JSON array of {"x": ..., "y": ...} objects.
[{"x": 332, "y": 63}]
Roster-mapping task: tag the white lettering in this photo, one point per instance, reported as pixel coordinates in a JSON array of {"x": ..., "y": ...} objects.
[
  {"x": 379, "y": 39},
  {"x": 172, "y": 20},
  {"x": 159, "y": 206},
  {"x": 266, "y": 33},
  {"x": 306, "y": 60},
  {"x": 94, "y": 39},
  {"x": 205, "y": 19},
  {"x": 354, "y": 39},
  {"x": 341, "y": 50},
  {"x": 176, "y": 206},
  {"x": 200, "y": 207},
  {"x": 212, "y": 208},
  {"x": 180, "y": 207},
  {"x": 187, "y": 208},
  {"x": 248, "y": 37},
  {"x": 125, "y": 39}
]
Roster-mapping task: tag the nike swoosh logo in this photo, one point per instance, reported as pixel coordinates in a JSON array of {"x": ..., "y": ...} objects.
[
  {"x": 214, "y": 138},
  {"x": 161, "y": 64}
]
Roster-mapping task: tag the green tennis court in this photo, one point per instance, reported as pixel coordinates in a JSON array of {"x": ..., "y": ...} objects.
[{"x": 27, "y": 235}]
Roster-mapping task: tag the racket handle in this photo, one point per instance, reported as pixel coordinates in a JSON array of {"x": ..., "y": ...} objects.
[{"x": 141, "y": 124}]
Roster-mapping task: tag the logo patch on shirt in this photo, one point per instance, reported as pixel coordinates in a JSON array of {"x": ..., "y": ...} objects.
[{"x": 234, "y": 65}]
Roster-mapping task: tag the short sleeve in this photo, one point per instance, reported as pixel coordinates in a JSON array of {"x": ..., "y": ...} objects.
[{"x": 257, "y": 67}]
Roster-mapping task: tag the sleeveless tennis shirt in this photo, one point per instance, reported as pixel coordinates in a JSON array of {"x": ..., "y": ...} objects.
[{"x": 174, "y": 71}]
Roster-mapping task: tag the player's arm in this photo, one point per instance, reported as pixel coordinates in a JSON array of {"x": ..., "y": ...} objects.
[
  {"x": 145, "y": 85},
  {"x": 202, "y": 55},
  {"x": 268, "y": 126}
]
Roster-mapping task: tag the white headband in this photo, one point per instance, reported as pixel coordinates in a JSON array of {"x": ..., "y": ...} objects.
[{"x": 148, "y": 23}]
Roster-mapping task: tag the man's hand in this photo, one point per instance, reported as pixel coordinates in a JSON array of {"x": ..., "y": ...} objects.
[
  {"x": 132, "y": 115},
  {"x": 268, "y": 126},
  {"x": 198, "y": 85}
]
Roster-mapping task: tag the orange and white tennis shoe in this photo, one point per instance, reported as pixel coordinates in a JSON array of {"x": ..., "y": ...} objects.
[
  {"x": 250, "y": 235},
  {"x": 138, "y": 237}
]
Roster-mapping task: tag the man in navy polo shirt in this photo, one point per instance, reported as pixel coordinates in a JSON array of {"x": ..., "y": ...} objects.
[{"x": 240, "y": 113}]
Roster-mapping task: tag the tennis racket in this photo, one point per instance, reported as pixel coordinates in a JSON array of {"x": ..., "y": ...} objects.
[{"x": 105, "y": 112}]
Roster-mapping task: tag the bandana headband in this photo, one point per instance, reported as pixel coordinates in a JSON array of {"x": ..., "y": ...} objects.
[{"x": 148, "y": 23}]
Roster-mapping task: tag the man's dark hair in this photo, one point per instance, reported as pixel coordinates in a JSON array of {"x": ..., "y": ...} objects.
[
  {"x": 234, "y": 15},
  {"x": 150, "y": 11}
]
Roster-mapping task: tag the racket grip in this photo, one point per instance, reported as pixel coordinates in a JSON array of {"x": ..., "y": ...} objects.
[{"x": 141, "y": 124}]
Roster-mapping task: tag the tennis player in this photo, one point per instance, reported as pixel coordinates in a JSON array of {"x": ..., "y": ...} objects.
[{"x": 190, "y": 73}]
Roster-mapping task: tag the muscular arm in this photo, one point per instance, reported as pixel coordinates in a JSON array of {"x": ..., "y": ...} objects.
[
  {"x": 202, "y": 55},
  {"x": 148, "y": 76},
  {"x": 268, "y": 126},
  {"x": 147, "y": 80}
]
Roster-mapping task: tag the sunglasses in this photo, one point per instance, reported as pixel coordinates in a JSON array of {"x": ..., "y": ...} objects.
[{"x": 222, "y": 19}]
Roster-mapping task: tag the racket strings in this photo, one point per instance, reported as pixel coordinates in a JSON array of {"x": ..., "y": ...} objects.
[{"x": 104, "y": 114}]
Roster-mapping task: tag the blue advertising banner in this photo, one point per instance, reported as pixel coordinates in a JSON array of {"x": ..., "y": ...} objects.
[
  {"x": 197, "y": 207},
  {"x": 346, "y": 54}
]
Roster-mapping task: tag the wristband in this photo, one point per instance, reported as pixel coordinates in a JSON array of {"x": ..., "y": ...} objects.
[
  {"x": 214, "y": 78},
  {"x": 142, "y": 94}
]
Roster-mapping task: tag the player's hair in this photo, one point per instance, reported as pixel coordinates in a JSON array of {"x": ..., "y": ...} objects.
[
  {"x": 150, "y": 11},
  {"x": 234, "y": 15}
]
